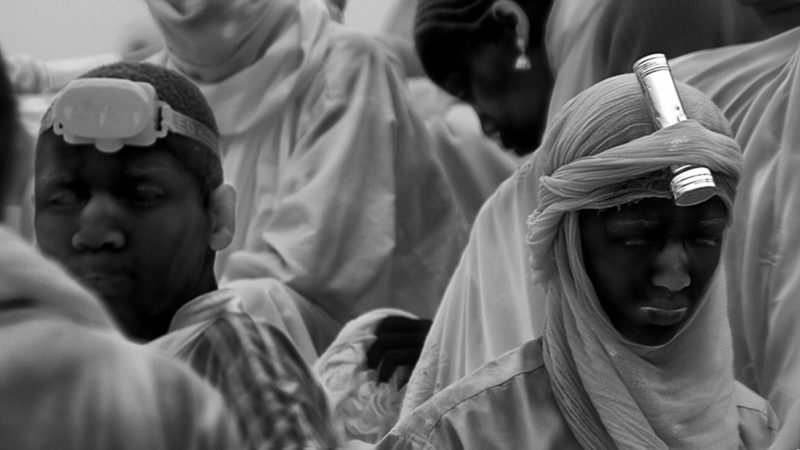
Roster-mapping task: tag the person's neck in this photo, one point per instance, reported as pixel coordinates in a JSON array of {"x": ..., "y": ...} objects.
[{"x": 158, "y": 325}]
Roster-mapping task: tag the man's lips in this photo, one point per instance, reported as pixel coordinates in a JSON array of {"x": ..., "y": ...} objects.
[
  {"x": 662, "y": 316},
  {"x": 665, "y": 311},
  {"x": 108, "y": 283},
  {"x": 107, "y": 278}
]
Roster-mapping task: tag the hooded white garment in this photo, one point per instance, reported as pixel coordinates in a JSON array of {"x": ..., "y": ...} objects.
[
  {"x": 610, "y": 392},
  {"x": 340, "y": 198},
  {"x": 491, "y": 304},
  {"x": 69, "y": 380},
  {"x": 757, "y": 86}
]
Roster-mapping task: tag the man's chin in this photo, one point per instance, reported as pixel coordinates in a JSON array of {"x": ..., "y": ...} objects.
[{"x": 111, "y": 287}]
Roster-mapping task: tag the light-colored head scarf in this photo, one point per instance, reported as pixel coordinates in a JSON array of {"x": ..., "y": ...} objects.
[
  {"x": 614, "y": 393},
  {"x": 213, "y": 39}
]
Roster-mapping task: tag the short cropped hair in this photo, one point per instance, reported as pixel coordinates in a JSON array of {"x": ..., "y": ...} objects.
[{"x": 183, "y": 96}]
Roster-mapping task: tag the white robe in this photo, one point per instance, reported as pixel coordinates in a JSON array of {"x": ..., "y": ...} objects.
[
  {"x": 756, "y": 86},
  {"x": 340, "y": 197}
]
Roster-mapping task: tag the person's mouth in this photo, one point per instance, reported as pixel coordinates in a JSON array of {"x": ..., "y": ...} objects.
[
  {"x": 107, "y": 280},
  {"x": 663, "y": 316},
  {"x": 665, "y": 311}
]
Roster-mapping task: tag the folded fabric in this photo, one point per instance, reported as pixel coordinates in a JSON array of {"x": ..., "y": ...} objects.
[{"x": 366, "y": 408}]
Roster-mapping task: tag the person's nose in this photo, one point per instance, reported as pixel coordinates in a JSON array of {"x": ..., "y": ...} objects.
[
  {"x": 671, "y": 271},
  {"x": 489, "y": 126},
  {"x": 100, "y": 225}
]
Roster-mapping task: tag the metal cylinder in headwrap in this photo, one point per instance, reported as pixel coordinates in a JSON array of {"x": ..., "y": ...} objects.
[{"x": 690, "y": 184}]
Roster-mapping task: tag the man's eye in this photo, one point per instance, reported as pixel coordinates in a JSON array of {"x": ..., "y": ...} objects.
[
  {"x": 63, "y": 198},
  {"x": 708, "y": 241},
  {"x": 636, "y": 242},
  {"x": 147, "y": 194}
]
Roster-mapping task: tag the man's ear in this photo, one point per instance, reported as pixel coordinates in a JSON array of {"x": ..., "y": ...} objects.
[
  {"x": 510, "y": 13},
  {"x": 222, "y": 213}
]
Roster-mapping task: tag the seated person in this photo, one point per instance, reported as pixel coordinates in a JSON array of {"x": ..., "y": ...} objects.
[
  {"x": 138, "y": 216},
  {"x": 468, "y": 46},
  {"x": 68, "y": 378},
  {"x": 636, "y": 350}
]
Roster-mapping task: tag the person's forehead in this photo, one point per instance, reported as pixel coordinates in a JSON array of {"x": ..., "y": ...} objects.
[
  {"x": 650, "y": 211},
  {"x": 58, "y": 156}
]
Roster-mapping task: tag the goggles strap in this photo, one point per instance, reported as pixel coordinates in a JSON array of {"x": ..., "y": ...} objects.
[{"x": 176, "y": 122}]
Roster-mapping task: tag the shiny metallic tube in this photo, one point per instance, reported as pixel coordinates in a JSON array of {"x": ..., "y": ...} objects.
[{"x": 690, "y": 184}]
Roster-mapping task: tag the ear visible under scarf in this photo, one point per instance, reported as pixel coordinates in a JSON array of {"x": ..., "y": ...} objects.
[{"x": 504, "y": 8}]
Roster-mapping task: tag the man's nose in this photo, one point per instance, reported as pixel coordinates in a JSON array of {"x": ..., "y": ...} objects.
[
  {"x": 672, "y": 270},
  {"x": 100, "y": 225},
  {"x": 490, "y": 127}
]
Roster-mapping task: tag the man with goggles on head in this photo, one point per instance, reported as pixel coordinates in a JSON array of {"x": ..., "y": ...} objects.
[{"x": 129, "y": 196}]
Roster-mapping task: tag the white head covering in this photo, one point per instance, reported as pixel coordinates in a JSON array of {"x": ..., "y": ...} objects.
[{"x": 613, "y": 392}]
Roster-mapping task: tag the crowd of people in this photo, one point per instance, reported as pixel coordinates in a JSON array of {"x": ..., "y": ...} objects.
[{"x": 266, "y": 230}]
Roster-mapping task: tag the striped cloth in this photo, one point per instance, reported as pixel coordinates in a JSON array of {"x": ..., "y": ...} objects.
[{"x": 267, "y": 384}]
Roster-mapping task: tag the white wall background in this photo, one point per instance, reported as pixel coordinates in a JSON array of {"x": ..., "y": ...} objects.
[{"x": 52, "y": 29}]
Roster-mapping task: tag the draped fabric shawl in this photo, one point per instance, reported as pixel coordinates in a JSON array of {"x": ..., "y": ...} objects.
[
  {"x": 615, "y": 393},
  {"x": 757, "y": 86}
]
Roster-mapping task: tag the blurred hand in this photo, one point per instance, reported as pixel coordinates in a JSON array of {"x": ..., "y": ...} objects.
[{"x": 399, "y": 343}]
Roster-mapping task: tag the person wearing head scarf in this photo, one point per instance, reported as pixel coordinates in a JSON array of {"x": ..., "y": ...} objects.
[
  {"x": 486, "y": 309},
  {"x": 68, "y": 377},
  {"x": 636, "y": 349},
  {"x": 342, "y": 205},
  {"x": 756, "y": 86}
]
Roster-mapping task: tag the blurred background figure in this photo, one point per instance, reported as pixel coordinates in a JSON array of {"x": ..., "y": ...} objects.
[{"x": 474, "y": 163}]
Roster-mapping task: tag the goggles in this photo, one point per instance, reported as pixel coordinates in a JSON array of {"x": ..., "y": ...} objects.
[{"x": 112, "y": 113}]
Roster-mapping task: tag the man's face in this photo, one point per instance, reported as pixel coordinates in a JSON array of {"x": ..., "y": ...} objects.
[
  {"x": 131, "y": 225},
  {"x": 650, "y": 263},
  {"x": 511, "y": 104}
]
